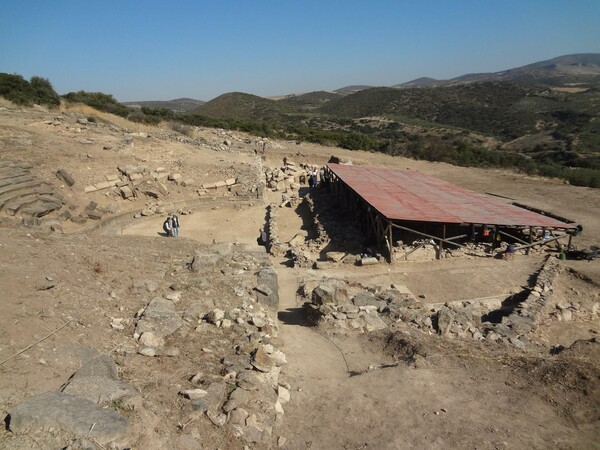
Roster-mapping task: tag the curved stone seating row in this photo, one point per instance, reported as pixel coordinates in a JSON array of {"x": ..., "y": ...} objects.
[{"x": 23, "y": 194}]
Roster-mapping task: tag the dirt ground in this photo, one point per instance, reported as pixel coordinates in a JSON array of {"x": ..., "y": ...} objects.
[{"x": 395, "y": 388}]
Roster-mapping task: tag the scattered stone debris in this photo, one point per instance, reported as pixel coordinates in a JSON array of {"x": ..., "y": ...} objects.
[{"x": 368, "y": 309}]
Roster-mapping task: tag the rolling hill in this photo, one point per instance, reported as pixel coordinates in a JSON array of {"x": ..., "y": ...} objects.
[
  {"x": 310, "y": 101},
  {"x": 177, "y": 105},
  {"x": 494, "y": 108},
  {"x": 240, "y": 106},
  {"x": 581, "y": 70}
]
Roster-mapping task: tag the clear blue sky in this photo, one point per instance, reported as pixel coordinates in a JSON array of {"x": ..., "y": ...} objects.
[{"x": 159, "y": 50}]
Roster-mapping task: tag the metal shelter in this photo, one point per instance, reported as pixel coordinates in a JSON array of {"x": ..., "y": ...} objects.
[{"x": 385, "y": 200}]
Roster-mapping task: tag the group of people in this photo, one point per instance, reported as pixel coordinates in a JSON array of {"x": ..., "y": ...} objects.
[
  {"x": 171, "y": 226},
  {"x": 314, "y": 179}
]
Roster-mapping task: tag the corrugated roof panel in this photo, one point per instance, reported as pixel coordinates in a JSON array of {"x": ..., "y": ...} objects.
[{"x": 413, "y": 196}]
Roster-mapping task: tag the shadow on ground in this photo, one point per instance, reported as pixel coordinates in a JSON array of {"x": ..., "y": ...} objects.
[{"x": 293, "y": 316}]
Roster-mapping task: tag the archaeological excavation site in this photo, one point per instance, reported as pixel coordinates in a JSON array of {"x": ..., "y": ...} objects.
[{"x": 314, "y": 298}]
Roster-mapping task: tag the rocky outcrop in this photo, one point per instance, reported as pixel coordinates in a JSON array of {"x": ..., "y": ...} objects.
[{"x": 79, "y": 407}]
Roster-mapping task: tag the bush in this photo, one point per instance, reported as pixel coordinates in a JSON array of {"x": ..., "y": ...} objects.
[
  {"x": 140, "y": 117},
  {"x": 100, "y": 101},
  {"x": 44, "y": 92},
  {"x": 22, "y": 92},
  {"x": 182, "y": 128}
]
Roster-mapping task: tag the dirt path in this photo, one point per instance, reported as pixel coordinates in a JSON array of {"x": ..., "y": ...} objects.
[{"x": 338, "y": 403}]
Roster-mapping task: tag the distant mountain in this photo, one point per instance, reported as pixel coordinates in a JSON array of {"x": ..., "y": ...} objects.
[
  {"x": 352, "y": 89},
  {"x": 422, "y": 82},
  {"x": 581, "y": 70},
  {"x": 238, "y": 105},
  {"x": 177, "y": 105}
]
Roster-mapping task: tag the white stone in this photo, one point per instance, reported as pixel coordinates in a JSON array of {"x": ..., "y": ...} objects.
[
  {"x": 278, "y": 358},
  {"x": 194, "y": 394},
  {"x": 283, "y": 395},
  {"x": 148, "y": 351},
  {"x": 150, "y": 339},
  {"x": 216, "y": 315},
  {"x": 278, "y": 407}
]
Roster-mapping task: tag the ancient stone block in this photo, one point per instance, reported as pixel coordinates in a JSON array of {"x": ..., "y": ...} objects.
[
  {"x": 126, "y": 192},
  {"x": 63, "y": 175},
  {"x": 104, "y": 185},
  {"x": 73, "y": 414}
]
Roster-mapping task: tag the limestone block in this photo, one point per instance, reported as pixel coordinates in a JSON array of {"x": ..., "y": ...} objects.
[
  {"x": 126, "y": 192},
  {"x": 162, "y": 189},
  {"x": 104, "y": 185},
  {"x": 73, "y": 414}
]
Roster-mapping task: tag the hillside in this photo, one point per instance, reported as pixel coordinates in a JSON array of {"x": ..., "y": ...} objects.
[
  {"x": 176, "y": 105},
  {"x": 497, "y": 123},
  {"x": 542, "y": 118},
  {"x": 492, "y": 108},
  {"x": 240, "y": 106},
  {"x": 581, "y": 70},
  {"x": 352, "y": 89},
  {"x": 310, "y": 101}
]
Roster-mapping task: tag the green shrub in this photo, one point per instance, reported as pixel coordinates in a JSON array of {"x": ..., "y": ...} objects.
[
  {"x": 44, "y": 92},
  {"x": 22, "y": 92},
  {"x": 100, "y": 101},
  {"x": 140, "y": 117}
]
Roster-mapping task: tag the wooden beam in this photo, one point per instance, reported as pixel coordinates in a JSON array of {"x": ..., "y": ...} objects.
[
  {"x": 514, "y": 237},
  {"x": 447, "y": 241},
  {"x": 543, "y": 241},
  {"x": 414, "y": 250}
]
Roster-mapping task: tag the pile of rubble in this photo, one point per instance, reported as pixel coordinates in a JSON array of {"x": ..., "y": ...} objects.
[
  {"x": 514, "y": 328},
  {"x": 289, "y": 177},
  {"x": 245, "y": 393},
  {"x": 331, "y": 305},
  {"x": 134, "y": 181},
  {"x": 369, "y": 309}
]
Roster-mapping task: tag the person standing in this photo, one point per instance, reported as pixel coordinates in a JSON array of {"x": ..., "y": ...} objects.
[
  {"x": 168, "y": 226},
  {"x": 175, "y": 223}
]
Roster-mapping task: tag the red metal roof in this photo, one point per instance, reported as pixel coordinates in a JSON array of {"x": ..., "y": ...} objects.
[{"x": 413, "y": 196}]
